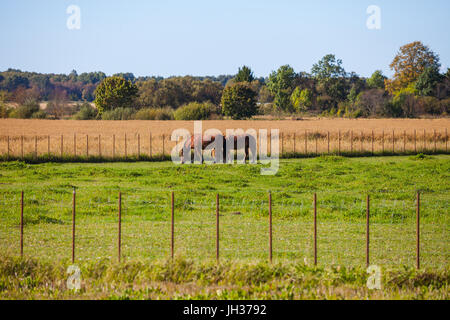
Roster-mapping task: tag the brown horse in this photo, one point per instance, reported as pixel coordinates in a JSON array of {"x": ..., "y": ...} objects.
[
  {"x": 248, "y": 139},
  {"x": 190, "y": 144}
]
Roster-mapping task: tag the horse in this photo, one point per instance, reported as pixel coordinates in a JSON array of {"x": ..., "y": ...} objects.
[
  {"x": 247, "y": 140},
  {"x": 190, "y": 144}
]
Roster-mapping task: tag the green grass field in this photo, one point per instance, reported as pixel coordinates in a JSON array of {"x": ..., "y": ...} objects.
[{"x": 341, "y": 185}]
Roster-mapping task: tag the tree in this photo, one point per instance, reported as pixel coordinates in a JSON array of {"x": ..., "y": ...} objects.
[
  {"x": 115, "y": 92},
  {"x": 427, "y": 82},
  {"x": 331, "y": 76},
  {"x": 239, "y": 101},
  {"x": 245, "y": 74},
  {"x": 280, "y": 85},
  {"x": 376, "y": 81},
  {"x": 301, "y": 99},
  {"x": 409, "y": 63}
]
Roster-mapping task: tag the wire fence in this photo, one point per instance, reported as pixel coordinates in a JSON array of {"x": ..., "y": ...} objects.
[
  {"x": 307, "y": 143},
  {"x": 246, "y": 230}
]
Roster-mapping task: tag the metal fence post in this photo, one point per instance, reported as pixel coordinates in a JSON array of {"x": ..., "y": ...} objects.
[
  {"x": 217, "y": 228},
  {"x": 270, "y": 227},
  {"x": 418, "y": 231},
  {"x": 73, "y": 224},
  {"x": 119, "y": 239},
  {"x": 172, "y": 238},
  {"x": 21, "y": 224},
  {"x": 367, "y": 230},
  {"x": 315, "y": 228}
]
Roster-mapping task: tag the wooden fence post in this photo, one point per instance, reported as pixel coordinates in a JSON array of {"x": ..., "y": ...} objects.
[
  {"x": 139, "y": 145},
  {"x": 393, "y": 142},
  {"x": 35, "y": 147},
  {"x": 48, "y": 144},
  {"x": 163, "y": 139},
  {"x": 351, "y": 141},
  {"x": 315, "y": 138},
  {"x": 294, "y": 142},
  {"x": 382, "y": 143},
  {"x": 404, "y": 141},
  {"x": 424, "y": 140},
  {"x": 415, "y": 141},
  {"x": 372, "y": 142},
  {"x": 282, "y": 144},
  {"x": 126, "y": 153},
  {"x": 270, "y": 227},
  {"x": 87, "y": 145},
  {"x": 99, "y": 145},
  {"x": 62, "y": 145},
  {"x": 306, "y": 142},
  {"x": 114, "y": 146},
  {"x": 361, "y": 143},
  {"x": 75, "y": 144},
  {"x": 339, "y": 141},
  {"x": 150, "y": 144},
  {"x": 7, "y": 153},
  {"x": 446, "y": 139},
  {"x": 328, "y": 141},
  {"x": 434, "y": 137},
  {"x": 21, "y": 146}
]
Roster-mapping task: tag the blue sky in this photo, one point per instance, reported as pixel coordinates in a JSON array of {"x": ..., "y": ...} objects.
[{"x": 197, "y": 37}]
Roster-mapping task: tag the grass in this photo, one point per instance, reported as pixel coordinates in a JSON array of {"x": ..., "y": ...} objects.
[
  {"x": 341, "y": 185},
  {"x": 186, "y": 279}
]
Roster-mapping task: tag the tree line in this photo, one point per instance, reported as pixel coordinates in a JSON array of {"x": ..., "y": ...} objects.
[{"x": 417, "y": 88}]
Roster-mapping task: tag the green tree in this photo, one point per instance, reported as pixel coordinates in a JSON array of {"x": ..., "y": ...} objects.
[
  {"x": 115, "y": 92},
  {"x": 330, "y": 75},
  {"x": 301, "y": 99},
  {"x": 428, "y": 80},
  {"x": 239, "y": 101},
  {"x": 376, "y": 81},
  {"x": 245, "y": 74},
  {"x": 280, "y": 85}
]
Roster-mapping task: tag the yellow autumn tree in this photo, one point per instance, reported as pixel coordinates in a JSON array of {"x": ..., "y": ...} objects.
[{"x": 409, "y": 63}]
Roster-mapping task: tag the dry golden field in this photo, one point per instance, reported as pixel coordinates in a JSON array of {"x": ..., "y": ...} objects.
[{"x": 146, "y": 137}]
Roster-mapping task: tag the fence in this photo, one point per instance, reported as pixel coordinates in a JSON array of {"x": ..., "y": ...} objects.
[
  {"x": 220, "y": 233},
  {"x": 307, "y": 143}
]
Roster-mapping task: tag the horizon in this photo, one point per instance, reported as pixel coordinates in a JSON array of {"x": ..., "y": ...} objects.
[{"x": 202, "y": 39}]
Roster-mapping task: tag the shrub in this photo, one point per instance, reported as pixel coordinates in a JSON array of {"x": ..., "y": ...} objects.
[
  {"x": 119, "y": 114},
  {"x": 41, "y": 114},
  {"x": 195, "y": 111},
  {"x": 86, "y": 112},
  {"x": 154, "y": 114},
  {"x": 26, "y": 110}
]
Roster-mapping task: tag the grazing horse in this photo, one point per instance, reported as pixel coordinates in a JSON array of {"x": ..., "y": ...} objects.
[
  {"x": 190, "y": 144},
  {"x": 248, "y": 140}
]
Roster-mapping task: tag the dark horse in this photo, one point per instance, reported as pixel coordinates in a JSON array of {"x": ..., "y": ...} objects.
[{"x": 190, "y": 144}]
